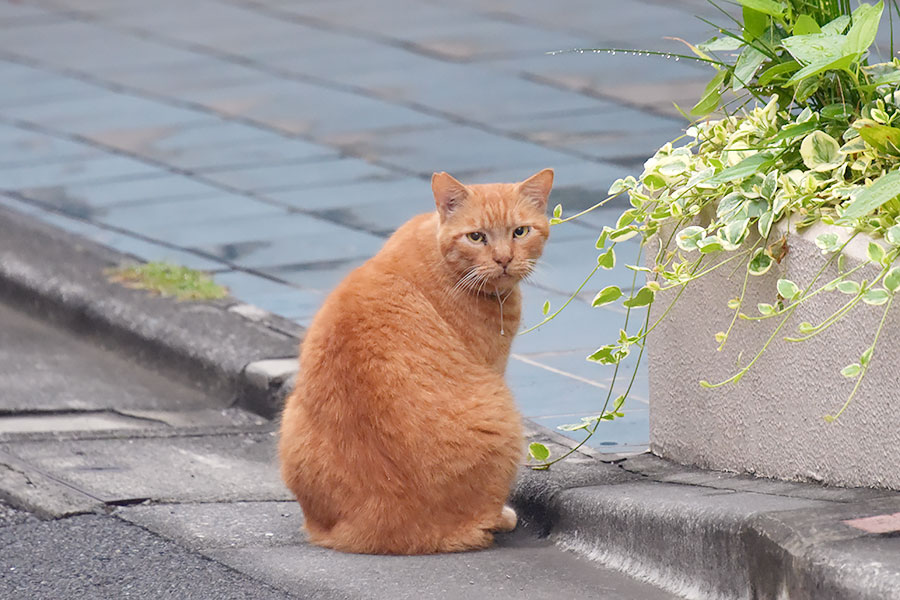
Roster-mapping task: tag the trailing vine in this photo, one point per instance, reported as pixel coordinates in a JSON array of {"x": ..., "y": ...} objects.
[{"x": 815, "y": 140}]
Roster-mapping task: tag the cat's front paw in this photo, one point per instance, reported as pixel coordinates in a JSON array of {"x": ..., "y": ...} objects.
[{"x": 508, "y": 519}]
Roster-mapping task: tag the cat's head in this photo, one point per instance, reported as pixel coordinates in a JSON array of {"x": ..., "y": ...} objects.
[{"x": 492, "y": 234}]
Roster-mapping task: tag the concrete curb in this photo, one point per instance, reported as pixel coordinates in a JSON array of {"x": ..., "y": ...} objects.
[
  {"x": 703, "y": 534},
  {"x": 697, "y": 533},
  {"x": 207, "y": 344}
]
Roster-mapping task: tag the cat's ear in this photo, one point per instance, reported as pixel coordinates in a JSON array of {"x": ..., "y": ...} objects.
[
  {"x": 448, "y": 193},
  {"x": 537, "y": 188}
]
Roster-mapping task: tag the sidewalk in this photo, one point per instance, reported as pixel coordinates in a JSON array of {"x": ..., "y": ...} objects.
[
  {"x": 134, "y": 423},
  {"x": 278, "y": 143},
  {"x": 157, "y": 480}
]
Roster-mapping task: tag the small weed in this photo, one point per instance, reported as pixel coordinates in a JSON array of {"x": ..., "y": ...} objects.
[{"x": 167, "y": 279}]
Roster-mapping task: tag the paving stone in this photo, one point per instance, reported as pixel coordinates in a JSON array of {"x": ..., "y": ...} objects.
[
  {"x": 321, "y": 276},
  {"x": 122, "y": 242},
  {"x": 302, "y": 174},
  {"x": 361, "y": 193},
  {"x": 75, "y": 171},
  {"x": 457, "y": 149},
  {"x": 613, "y": 133},
  {"x": 302, "y": 108},
  {"x": 107, "y": 115},
  {"x": 451, "y": 88},
  {"x": 90, "y": 198},
  {"x": 185, "y": 212},
  {"x": 285, "y": 300},
  {"x": 22, "y": 147},
  {"x": 21, "y": 85},
  {"x": 14, "y": 13},
  {"x": 303, "y": 254},
  {"x": 566, "y": 263},
  {"x": 173, "y": 79},
  {"x": 77, "y": 43},
  {"x": 215, "y": 468}
]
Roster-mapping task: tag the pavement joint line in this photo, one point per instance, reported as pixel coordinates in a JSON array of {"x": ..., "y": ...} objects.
[
  {"x": 13, "y": 462},
  {"x": 227, "y": 266},
  {"x": 317, "y": 23},
  {"x": 322, "y": 82},
  {"x": 192, "y": 174},
  {"x": 539, "y": 365}
]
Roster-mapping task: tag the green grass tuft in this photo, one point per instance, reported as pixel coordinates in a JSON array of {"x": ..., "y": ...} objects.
[{"x": 167, "y": 279}]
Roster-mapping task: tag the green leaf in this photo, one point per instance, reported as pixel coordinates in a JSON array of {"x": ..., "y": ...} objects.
[
  {"x": 765, "y": 309},
  {"x": 752, "y": 164},
  {"x": 851, "y": 371},
  {"x": 574, "y": 426},
  {"x": 557, "y": 211},
  {"x": 718, "y": 44},
  {"x": 866, "y": 356},
  {"x": 764, "y": 225},
  {"x": 848, "y": 287},
  {"x": 865, "y": 25},
  {"x": 623, "y": 233},
  {"x": 892, "y": 280},
  {"x": 538, "y": 451},
  {"x": 644, "y": 297},
  {"x": 883, "y": 138},
  {"x": 821, "y": 152},
  {"x": 760, "y": 263},
  {"x": 838, "y": 64},
  {"x": 711, "y": 96},
  {"x": 546, "y": 307},
  {"x": 795, "y": 130},
  {"x": 876, "y": 297},
  {"x": 772, "y": 72},
  {"x": 875, "y": 252},
  {"x": 755, "y": 23},
  {"x": 815, "y": 47},
  {"x": 837, "y": 26},
  {"x": 601, "y": 241},
  {"x": 827, "y": 242},
  {"x": 606, "y": 295},
  {"x": 884, "y": 189},
  {"x": 805, "y": 24},
  {"x": 734, "y": 303},
  {"x": 892, "y": 235},
  {"x": 747, "y": 63},
  {"x": 607, "y": 260},
  {"x": 687, "y": 238},
  {"x": 708, "y": 245},
  {"x": 788, "y": 289},
  {"x": 767, "y": 7}
]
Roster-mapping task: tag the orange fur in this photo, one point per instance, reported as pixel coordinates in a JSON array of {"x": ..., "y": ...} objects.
[{"x": 401, "y": 436}]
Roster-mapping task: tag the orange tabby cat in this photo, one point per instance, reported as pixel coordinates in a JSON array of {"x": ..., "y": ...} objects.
[{"x": 401, "y": 436}]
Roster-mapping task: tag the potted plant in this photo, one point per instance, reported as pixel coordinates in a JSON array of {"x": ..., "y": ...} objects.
[{"x": 770, "y": 237}]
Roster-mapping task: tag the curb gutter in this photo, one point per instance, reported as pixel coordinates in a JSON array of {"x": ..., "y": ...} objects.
[
  {"x": 697, "y": 533},
  {"x": 60, "y": 276}
]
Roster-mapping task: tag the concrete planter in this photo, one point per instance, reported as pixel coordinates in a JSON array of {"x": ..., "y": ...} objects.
[{"x": 771, "y": 423}]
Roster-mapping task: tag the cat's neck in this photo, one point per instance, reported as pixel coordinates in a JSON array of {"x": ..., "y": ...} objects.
[{"x": 486, "y": 319}]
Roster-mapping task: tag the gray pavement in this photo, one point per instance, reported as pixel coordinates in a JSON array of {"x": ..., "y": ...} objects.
[
  {"x": 278, "y": 143},
  {"x": 150, "y": 505},
  {"x": 159, "y": 500}
]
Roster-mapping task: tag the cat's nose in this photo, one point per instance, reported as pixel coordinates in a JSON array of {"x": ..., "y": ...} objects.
[{"x": 503, "y": 261}]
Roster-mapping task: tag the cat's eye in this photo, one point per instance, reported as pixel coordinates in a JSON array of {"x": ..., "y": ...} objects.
[
  {"x": 476, "y": 236},
  {"x": 521, "y": 231}
]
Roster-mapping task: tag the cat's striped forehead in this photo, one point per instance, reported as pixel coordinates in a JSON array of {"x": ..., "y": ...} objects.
[{"x": 497, "y": 205}]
